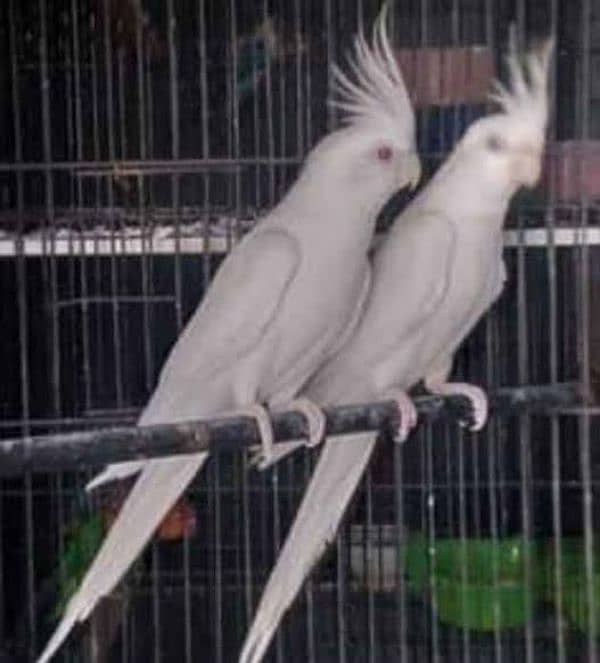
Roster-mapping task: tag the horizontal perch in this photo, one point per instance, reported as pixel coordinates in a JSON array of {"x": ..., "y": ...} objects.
[{"x": 68, "y": 451}]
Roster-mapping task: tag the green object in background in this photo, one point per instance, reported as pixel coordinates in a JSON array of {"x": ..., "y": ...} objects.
[
  {"x": 417, "y": 563},
  {"x": 481, "y": 607},
  {"x": 575, "y": 588},
  {"x": 82, "y": 544},
  {"x": 476, "y": 584}
]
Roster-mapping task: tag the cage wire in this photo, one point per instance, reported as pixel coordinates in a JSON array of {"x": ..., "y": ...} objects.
[{"x": 139, "y": 140}]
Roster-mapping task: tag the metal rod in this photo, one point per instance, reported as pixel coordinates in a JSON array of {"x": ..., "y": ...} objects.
[{"x": 79, "y": 449}]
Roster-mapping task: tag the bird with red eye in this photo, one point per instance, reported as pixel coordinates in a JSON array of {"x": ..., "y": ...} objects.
[{"x": 385, "y": 153}]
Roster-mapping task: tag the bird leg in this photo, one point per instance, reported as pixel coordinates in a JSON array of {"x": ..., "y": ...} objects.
[
  {"x": 316, "y": 431},
  {"x": 407, "y": 412},
  {"x": 259, "y": 413},
  {"x": 475, "y": 395},
  {"x": 314, "y": 417}
]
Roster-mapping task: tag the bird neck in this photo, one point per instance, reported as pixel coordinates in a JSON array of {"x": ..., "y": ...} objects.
[
  {"x": 319, "y": 210},
  {"x": 484, "y": 196}
]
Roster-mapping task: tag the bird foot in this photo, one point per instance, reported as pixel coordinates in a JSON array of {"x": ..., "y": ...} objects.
[
  {"x": 408, "y": 414},
  {"x": 280, "y": 451},
  {"x": 314, "y": 417},
  {"x": 476, "y": 396},
  {"x": 262, "y": 456},
  {"x": 316, "y": 431}
]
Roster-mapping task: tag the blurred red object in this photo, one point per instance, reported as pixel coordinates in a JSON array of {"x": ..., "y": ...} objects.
[
  {"x": 179, "y": 523},
  {"x": 572, "y": 170},
  {"x": 447, "y": 76}
]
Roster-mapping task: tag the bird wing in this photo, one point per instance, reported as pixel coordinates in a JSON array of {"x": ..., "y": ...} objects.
[
  {"x": 410, "y": 278},
  {"x": 236, "y": 312},
  {"x": 232, "y": 319},
  {"x": 412, "y": 273}
]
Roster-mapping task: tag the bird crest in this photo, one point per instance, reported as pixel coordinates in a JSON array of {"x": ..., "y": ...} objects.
[
  {"x": 525, "y": 95},
  {"x": 375, "y": 94}
]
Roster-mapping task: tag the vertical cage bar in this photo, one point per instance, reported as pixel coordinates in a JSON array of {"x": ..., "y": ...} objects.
[
  {"x": 550, "y": 219},
  {"x": 277, "y": 547},
  {"x": 431, "y": 536},
  {"x": 281, "y": 67},
  {"x": 524, "y": 439},
  {"x": 145, "y": 258},
  {"x": 110, "y": 198},
  {"x": 401, "y": 607},
  {"x": 175, "y": 152},
  {"x": 83, "y": 272},
  {"x": 55, "y": 368},
  {"x": 218, "y": 569},
  {"x": 369, "y": 575},
  {"x": 235, "y": 115},
  {"x": 300, "y": 103},
  {"x": 584, "y": 347},
  {"x": 462, "y": 526},
  {"x": 309, "y": 587},
  {"x": 21, "y": 287},
  {"x": 205, "y": 149},
  {"x": 95, "y": 43},
  {"x": 256, "y": 118},
  {"x": 341, "y": 596},
  {"x": 331, "y": 117},
  {"x": 269, "y": 110}
]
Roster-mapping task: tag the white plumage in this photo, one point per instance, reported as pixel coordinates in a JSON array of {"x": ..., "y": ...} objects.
[
  {"x": 277, "y": 307},
  {"x": 435, "y": 274}
]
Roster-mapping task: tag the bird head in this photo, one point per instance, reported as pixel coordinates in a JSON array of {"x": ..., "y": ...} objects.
[
  {"x": 509, "y": 145},
  {"x": 374, "y": 152}
]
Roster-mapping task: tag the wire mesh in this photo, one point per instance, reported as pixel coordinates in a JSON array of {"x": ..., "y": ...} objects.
[{"x": 139, "y": 141}]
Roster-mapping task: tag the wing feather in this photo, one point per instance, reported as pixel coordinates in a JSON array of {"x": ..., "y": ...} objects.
[{"x": 235, "y": 313}]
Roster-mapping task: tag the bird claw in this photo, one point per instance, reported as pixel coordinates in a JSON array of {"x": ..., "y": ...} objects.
[
  {"x": 475, "y": 395},
  {"x": 316, "y": 431},
  {"x": 262, "y": 455},
  {"x": 408, "y": 415},
  {"x": 281, "y": 450},
  {"x": 315, "y": 419}
]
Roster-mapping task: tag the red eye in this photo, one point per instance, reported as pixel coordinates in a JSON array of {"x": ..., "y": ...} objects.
[{"x": 385, "y": 153}]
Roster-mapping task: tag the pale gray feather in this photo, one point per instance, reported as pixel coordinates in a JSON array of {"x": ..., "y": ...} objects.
[{"x": 436, "y": 273}]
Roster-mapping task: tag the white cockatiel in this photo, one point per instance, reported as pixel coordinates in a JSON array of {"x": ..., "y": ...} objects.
[
  {"x": 276, "y": 309},
  {"x": 435, "y": 274}
]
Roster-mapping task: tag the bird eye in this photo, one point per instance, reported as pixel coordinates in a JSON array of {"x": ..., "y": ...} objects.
[
  {"x": 495, "y": 143},
  {"x": 385, "y": 153}
]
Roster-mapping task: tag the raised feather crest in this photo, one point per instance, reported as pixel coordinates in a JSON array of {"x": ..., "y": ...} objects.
[
  {"x": 376, "y": 93},
  {"x": 526, "y": 95}
]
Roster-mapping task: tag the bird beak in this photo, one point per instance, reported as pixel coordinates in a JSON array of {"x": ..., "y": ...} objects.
[
  {"x": 528, "y": 169},
  {"x": 414, "y": 171}
]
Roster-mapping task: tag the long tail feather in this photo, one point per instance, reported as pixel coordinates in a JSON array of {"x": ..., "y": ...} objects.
[
  {"x": 331, "y": 487},
  {"x": 156, "y": 491},
  {"x": 115, "y": 472}
]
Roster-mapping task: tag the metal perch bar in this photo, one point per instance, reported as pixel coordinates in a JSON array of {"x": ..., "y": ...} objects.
[{"x": 68, "y": 451}]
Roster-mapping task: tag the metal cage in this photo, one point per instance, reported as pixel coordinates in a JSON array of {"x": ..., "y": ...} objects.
[{"x": 138, "y": 141}]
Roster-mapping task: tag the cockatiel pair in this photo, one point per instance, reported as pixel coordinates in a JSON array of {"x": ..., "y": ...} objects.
[
  {"x": 282, "y": 303},
  {"x": 433, "y": 277},
  {"x": 442, "y": 264}
]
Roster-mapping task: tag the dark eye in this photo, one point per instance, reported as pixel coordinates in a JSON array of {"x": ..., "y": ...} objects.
[
  {"x": 495, "y": 143},
  {"x": 385, "y": 153}
]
